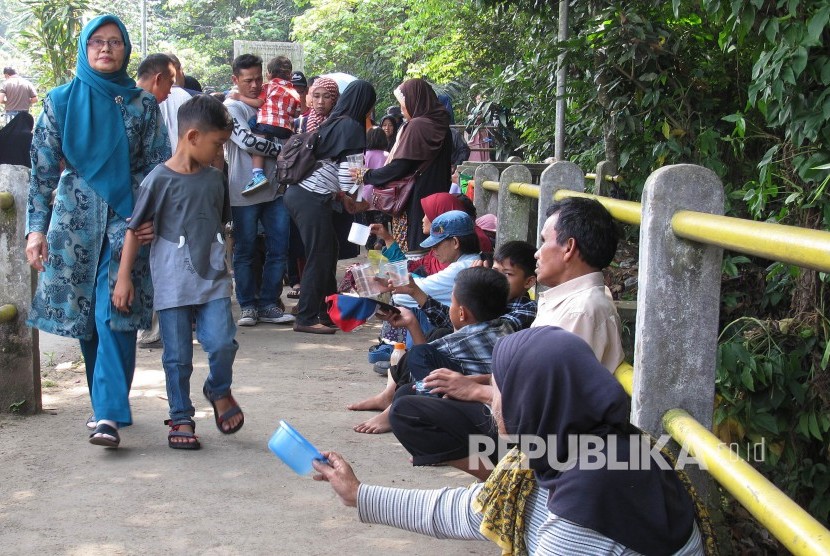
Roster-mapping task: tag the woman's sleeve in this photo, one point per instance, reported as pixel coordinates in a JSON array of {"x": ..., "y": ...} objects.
[
  {"x": 156, "y": 143},
  {"x": 393, "y": 252},
  {"x": 344, "y": 178},
  {"x": 446, "y": 513},
  {"x": 395, "y": 170},
  {"x": 46, "y": 153}
]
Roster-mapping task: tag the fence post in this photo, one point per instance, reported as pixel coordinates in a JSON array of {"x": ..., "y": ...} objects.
[
  {"x": 486, "y": 202},
  {"x": 514, "y": 210},
  {"x": 559, "y": 175},
  {"x": 19, "y": 357},
  {"x": 602, "y": 186},
  {"x": 678, "y": 303}
]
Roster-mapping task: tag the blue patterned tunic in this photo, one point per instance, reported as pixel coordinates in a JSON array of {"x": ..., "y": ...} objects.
[{"x": 76, "y": 224}]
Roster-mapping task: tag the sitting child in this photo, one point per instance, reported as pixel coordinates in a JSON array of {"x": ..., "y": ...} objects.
[
  {"x": 277, "y": 106},
  {"x": 478, "y": 300},
  {"x": 187, "y": 202},
  {"x": 514, "y": 259}
]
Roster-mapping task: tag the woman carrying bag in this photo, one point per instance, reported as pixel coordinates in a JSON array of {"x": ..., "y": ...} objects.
[{"x": 423, "y": 149}]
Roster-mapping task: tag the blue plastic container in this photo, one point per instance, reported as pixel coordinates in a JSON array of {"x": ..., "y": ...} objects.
[{"x": 293, "y": 449}]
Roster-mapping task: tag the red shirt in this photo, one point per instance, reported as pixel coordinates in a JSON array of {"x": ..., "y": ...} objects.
[{"x": 282, "y": 102}]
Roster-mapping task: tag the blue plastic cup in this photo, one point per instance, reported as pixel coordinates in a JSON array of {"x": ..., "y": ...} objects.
[{"x": 294, "y": 450}]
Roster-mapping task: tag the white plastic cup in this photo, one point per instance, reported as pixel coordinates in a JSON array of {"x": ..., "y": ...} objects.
[
  {"x": 364, "y": 280},
  {"x": 359, "y": 233},
  {"x": 355, "y": 160},
  {"x": 397, "y": 272}
]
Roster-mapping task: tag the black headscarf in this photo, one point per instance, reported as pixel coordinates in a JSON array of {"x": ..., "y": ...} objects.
[
  {"x": 344, "y": 132},
  {"x": 552, "y": 384},
  {"x": 16, "y": 140}
]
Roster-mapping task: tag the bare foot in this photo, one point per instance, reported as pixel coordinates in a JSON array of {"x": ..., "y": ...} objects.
[
  {"x": 377, "y": 402},
  {"x": 378, "y": 424},
  {"x": 223, "y": 405}
]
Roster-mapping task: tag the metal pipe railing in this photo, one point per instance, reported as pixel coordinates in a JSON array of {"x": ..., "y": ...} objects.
[{"x": 797, "y": 530}]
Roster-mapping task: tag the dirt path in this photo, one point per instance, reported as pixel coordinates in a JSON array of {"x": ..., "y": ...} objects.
[{"x": 61, "y": 495}]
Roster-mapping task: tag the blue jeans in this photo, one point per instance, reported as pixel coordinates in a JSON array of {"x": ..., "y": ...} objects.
[
  {"x": 425, "y": 358},
  {"x": 423, "y": 321},
  {"x": 109, "y": 356},
  {"x": 215, "y": 331},
  {"x": 275, "y": 221}
]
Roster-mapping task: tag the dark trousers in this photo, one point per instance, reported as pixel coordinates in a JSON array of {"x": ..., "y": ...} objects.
[
  {"x": 313, "y": 215},
  {"x": 437, "y": 430},
  {"x": 296, "y": 256}
]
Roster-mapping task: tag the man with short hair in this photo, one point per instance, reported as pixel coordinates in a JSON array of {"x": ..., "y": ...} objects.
[
  {"x": 264, "y": 206},
  {"x": 16, "y": 93},
  {"x": 178, "y": 96},
  {"x": 579, "y": 239},
  {"x": 156, "y": 75}
]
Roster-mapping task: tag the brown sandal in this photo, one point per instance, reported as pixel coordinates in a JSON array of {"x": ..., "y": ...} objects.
[{"x": 234, "y": 410}]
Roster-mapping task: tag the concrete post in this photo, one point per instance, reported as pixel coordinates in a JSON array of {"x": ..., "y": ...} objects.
[
  {"x": 602, "y": 186},
  {"x": 678, "y": 304},
  {"x": 514, "y": 210},
  {"x": 486, "y": 202},
  {"x": 678, "y": 301},
  {"x": 19, "y": 353},
  {"x": 559, "y": 175}
]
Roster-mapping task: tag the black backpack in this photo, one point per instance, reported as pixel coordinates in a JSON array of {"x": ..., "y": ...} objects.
[{"x": 297, "y": 160}]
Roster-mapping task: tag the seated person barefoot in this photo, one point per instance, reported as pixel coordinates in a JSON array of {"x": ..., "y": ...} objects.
[
  {"x": 547, "y": 384},
  {"x": 478, "y": 302},
  {"x": 579, "y": 239},
  {"x": 185, "y": 198}
]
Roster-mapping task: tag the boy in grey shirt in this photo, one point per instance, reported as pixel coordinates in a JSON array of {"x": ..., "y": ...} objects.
[{"x": 187, "y": 200}]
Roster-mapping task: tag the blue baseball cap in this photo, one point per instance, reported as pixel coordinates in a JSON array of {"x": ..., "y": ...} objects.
[{"x": 450, "y": 224}]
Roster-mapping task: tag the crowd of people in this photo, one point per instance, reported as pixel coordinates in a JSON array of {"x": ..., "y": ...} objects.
[{"x": 129, "y": 234}]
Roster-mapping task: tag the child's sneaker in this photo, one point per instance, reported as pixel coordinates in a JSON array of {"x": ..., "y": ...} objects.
[
  {"x": 257, "y": 182},
  {"x": 274, "y": 315},
  {"x": 248, "y": 317}
]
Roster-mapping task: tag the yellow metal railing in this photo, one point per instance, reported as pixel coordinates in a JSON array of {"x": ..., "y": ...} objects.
[
  {"x": 788, "y": 244},
  {"x": 797, "y": 530}
]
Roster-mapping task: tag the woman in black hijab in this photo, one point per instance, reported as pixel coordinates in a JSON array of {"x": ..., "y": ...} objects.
[
  {"x": 311, "y": 202},
  {"x": 16, "y": 140},
  {"x": 548, "y": 385}
]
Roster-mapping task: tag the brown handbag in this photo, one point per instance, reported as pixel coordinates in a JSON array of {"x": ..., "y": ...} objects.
[{"x": 393, "y": 197}]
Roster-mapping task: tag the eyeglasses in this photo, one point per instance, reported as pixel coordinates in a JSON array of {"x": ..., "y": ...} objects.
[{"x": 98, "y": 44}]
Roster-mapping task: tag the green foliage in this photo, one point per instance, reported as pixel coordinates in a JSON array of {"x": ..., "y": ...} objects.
[
  {"x": 49, "y": 32},
  {"x": 774, "y": 390}
]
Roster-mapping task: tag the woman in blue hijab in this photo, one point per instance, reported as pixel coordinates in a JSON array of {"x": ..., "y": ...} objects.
[{"x": 97, "y": 138}]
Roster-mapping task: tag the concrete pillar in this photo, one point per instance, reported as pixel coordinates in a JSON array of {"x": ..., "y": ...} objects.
[
  {"x": 559, "y": 175},
  {"x": 514, "y": 210},
  {"x": 19, "y": 352},
  {"x": 486, "y": 202},
  {"x": 678, "y": 301},
  {"x": 602, "y": 186}
]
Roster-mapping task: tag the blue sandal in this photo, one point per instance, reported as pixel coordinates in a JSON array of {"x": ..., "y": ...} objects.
[
  {"x": 103, "y": 428},
  {"x": 220, "y": 419},
  {"x": 176, "y": 433}
]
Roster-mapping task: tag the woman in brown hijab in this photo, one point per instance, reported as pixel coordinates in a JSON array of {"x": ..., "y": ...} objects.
[{"x": 424, "y": 148}]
